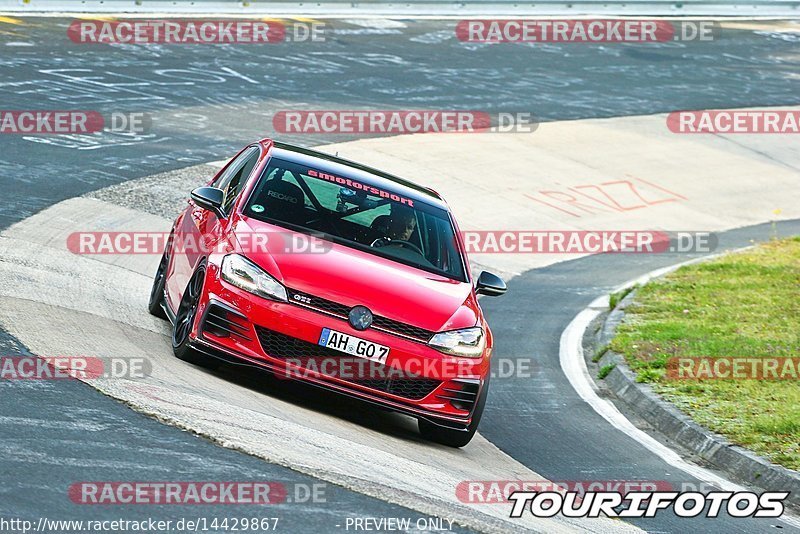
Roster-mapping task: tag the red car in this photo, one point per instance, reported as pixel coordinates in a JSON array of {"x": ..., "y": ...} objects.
[{"x": 342, "y": 276}]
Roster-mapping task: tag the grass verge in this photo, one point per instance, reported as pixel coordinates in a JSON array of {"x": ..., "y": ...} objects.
[
  {"x": 603, "y": 372},
  {"x": 740, "y": 305},
  {"x": 615, "y": 298}
]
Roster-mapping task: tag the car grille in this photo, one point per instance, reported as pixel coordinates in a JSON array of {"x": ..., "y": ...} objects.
[
  {"x": 285, "y": 347},
  {"x": 341, "y": 311}
]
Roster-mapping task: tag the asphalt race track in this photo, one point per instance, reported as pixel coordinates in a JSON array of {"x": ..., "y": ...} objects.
[{"x": 206, "y": 102}]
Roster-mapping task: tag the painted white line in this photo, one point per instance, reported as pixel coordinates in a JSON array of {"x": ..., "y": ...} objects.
[
  {"x": 381, "y": 23},
  {"x": 574, "y": 366}
]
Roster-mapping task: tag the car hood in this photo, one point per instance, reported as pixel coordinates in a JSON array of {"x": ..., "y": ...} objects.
[{"x": 351, "y": 277}]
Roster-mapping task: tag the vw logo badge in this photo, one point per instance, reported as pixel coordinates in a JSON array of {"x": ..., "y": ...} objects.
[{"x": 360, "y": 317}]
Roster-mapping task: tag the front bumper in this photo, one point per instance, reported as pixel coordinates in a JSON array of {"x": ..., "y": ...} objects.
[{"x": 282, "y": 337}]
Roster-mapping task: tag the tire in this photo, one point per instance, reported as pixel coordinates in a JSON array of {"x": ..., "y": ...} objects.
[
  {"x": 154, "y": 306},
  {"x": 453, "y": 437},
  {"x": 184, "y": 321}
]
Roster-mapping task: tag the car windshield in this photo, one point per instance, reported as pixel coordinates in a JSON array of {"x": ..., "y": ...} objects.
[{"x": 358, "y": 215}]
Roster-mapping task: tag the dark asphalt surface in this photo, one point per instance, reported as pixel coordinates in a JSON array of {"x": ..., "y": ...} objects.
[{"x": 207, "y": 101}]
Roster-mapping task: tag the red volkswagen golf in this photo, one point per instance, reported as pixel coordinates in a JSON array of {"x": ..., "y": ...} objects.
[{"x": 326, "y": 271}]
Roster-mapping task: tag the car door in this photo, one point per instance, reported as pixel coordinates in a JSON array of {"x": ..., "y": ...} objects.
[{"x": 199, "y": 230}]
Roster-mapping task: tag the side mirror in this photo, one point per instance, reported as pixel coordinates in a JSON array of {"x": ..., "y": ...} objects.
[
  {"x": 209, "y": 198},
  {"x": 490, "y": 284}
]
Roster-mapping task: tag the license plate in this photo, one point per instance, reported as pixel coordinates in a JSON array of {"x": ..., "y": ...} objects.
[{"x": 353, "y": 345}]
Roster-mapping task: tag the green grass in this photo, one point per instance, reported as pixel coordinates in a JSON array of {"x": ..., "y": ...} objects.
[
  {"x": 740, "y": 305},
  {"x": 603, "y": 372},
  {"x": 615, "y": 298}
]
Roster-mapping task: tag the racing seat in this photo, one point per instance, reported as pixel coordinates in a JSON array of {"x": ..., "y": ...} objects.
[
  {"x": 378, "y": 228},
  {"x": 380, "y": 225},
  {"x": 283, "y": 201}
]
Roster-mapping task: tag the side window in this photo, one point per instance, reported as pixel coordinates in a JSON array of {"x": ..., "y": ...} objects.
[
  {"x": 235, "y": 176},
  {"x": 222, "y": 180}
]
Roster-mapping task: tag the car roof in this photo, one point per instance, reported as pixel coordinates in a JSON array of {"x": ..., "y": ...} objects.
[{"x": 350, "y": 169}]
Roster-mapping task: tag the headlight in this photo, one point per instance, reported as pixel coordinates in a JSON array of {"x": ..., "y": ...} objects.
[
  {"x": 468, "y": 342},
  {"x": 244, "y": 274}
]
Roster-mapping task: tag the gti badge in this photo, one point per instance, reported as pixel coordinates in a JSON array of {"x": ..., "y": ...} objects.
[
  {"x": 360, "y": 317},
  {"x": 301, "y": 298}
]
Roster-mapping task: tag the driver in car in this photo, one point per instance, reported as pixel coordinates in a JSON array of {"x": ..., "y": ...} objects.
[{"x": 399, "y": 225}]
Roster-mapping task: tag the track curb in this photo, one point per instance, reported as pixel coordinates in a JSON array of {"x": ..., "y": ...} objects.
[{"x": 736, "y": 462}]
